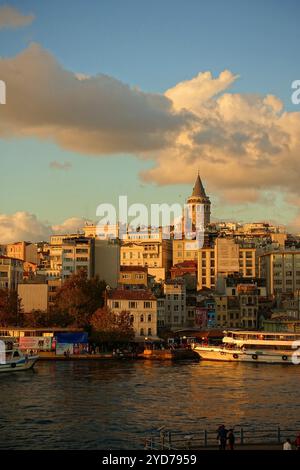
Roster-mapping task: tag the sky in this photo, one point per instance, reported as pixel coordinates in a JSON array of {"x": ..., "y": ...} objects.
[{"x": 109, "y": 97}]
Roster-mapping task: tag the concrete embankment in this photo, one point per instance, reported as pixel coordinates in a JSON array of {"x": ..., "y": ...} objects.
[{"x": 148, "y": 354}]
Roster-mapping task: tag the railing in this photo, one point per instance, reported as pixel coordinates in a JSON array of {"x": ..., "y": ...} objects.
[{"x": 164, "y": 439}]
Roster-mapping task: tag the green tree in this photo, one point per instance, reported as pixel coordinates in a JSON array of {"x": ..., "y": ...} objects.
[
  {"x": 78, "y": 298},
  {"x": 11, "y": 313},
  {"x": 108, "y": 327}
]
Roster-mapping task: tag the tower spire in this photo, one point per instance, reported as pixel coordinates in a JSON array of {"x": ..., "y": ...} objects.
[{"x": 198, "y": 190}]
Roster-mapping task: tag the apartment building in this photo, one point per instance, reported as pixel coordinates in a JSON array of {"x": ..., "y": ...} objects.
[
  {"x": 227, "y": 257},
  {"x": 11, "y": 272},
  {"x": 281, "y": 270},
  {"x": 148, "y": 250},
  {"x": 140, "y": 304},
  {"x": 25, "y": 251},
  {"x": 133, "y": 276},
  {"x": 77, "y": 254},
  {"x": 175, "y": 304}
]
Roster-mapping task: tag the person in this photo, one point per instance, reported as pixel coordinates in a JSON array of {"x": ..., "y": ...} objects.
[
  {"x": 231, "y": 439},
  {"x": 287, "y": 445},
  {"x": 222, "y": 437},
  {"x": 297, "y": 442}
]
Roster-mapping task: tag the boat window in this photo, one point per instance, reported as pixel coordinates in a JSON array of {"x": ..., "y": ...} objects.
[{"x": 16, "y": 354}]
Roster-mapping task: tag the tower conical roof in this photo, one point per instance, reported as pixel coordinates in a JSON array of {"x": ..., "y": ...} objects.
[{"x": 198, "y": 190}]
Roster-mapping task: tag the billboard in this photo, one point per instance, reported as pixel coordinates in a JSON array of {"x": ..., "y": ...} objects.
[
  {"x": 63, "y": 349},
  {"x": 201, "y": 317},
  {"x": 41, "y": 343}
]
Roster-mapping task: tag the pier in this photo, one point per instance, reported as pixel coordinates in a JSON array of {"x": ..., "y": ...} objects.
[{"x": 206, "y": 439}]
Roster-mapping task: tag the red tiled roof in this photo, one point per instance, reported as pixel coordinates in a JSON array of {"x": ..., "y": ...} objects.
[
  {"x": 133, "y": 268},
  {"x": 135, "y": 294},
  {"x": 186, "y": 264}
]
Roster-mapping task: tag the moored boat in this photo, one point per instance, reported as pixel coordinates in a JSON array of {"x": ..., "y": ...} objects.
[
  {"x": 253, "y": 346},
  {"x": 13, "y": 360}
]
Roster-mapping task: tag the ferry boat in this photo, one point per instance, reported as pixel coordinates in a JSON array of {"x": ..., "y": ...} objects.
[
  {"x": 253, "y": 346},
  {"x": 13, "y": 360}
]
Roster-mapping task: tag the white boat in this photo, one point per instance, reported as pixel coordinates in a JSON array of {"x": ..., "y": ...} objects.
[
  {"x": 14, "y": 360},
  {"x": 253, "y": 346}
]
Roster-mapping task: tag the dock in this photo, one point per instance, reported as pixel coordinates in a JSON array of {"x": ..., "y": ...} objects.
[{"x": 245, "y": 439}]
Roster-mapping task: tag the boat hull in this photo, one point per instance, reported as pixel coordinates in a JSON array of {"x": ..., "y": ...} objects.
[
  {"x": 22, "y": 364},
  {"x": 221, "y": 354}
]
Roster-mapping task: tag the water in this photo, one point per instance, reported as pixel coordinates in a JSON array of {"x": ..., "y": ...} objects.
[{"x": 114, "y": 405}]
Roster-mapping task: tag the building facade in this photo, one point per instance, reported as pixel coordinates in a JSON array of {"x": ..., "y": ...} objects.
[
  {"x": 281, "y": 270},
  {"x": 175, "y": 304},
  {"x": 33, "y": 296},
  {"x": 23, "y": 250},
  {"x": 11, "y": 272},
  {"x": 133, "y": 276},
  {"x": 149, "y": 250},
  {"x": 141, "y": 306}
]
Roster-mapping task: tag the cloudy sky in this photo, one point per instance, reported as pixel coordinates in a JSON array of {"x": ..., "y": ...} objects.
[{"x": 112, "y": 97}]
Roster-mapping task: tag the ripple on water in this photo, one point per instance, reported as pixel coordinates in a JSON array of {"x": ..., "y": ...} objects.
[{"x": 95, "y": 405}]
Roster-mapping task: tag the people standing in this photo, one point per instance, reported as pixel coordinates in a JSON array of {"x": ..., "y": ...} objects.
[
  {"x": 287, "y": 445},
  {"x": 231, "y": 439},
  {"x": 222, "y": 437}
]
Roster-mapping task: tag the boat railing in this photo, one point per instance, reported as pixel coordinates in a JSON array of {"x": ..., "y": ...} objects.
[{"x": 207, "y": 438}]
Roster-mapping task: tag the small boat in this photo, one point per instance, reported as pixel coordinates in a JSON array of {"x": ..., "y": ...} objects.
[
  {"x": 13, "y": 360},
  {"x": 253, "y": 346}
]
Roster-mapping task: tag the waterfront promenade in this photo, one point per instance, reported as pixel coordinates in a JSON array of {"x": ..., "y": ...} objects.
[{"x": 268, "y": 438}]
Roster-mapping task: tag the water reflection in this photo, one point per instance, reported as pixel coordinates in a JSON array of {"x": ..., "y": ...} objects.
[{"x": 111, "y": 405}]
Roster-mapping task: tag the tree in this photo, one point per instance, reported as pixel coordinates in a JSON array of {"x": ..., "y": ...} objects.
[
  {"x": 11, "y": 313},
  {"x": 78, "y": 298},
  {"x": 108, "y": 327}
]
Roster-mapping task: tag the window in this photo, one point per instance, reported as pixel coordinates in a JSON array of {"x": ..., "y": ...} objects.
[
  {"x": 132, "y": 304},
  {"x": 142, "y": 332},
  {"x": 142, "y": 318},
  {"x": 116, "y": 304},
  {"x": 176, "y": 308},
  {"x": 147, "y": 304},
  {"x": 149, "y": 331},
  {"x": 149, "y": 317}
]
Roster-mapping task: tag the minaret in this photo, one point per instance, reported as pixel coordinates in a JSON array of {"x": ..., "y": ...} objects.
[{"x": 199, "y": 197}]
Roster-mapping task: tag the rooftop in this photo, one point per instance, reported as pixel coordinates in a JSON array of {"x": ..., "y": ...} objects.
[
  {"x": 124, "y": 294},
  {"x": 133, "y": 269}
]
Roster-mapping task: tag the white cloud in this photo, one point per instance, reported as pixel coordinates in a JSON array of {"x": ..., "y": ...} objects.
[
  {"x": 242, "y": 144},
  {"x": 25, "y": 226},
  {"x": 11, "y": 18},
  {"x": 95, "y": 115},
  {"x": 70, "y": 225}
]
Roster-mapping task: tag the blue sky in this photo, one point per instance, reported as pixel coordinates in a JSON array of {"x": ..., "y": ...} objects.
[{"x": 151, "y": 45}]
